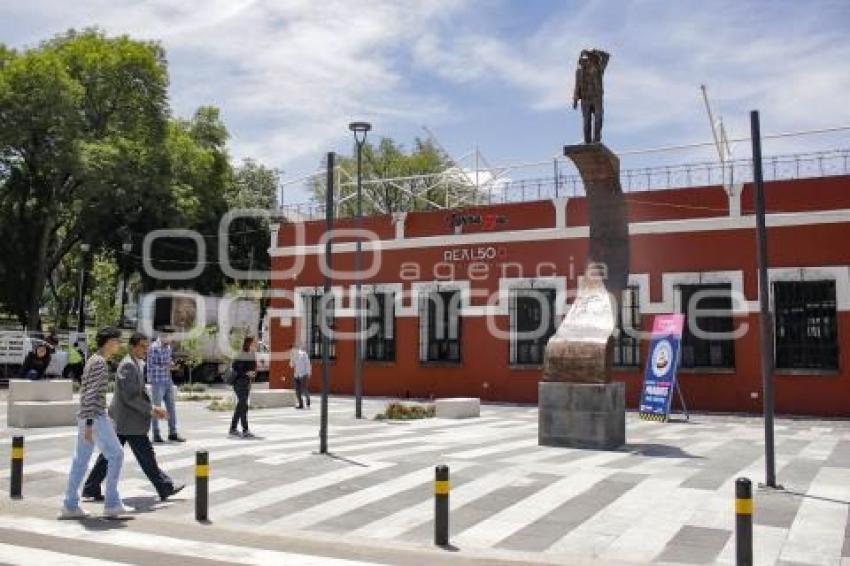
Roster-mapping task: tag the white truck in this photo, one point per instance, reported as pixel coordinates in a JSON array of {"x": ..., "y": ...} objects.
[
  {"x": 184, "y": 310},
  {"x": 16, "y": 344}
]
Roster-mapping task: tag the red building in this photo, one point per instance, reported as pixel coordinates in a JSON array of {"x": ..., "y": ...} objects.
[{"x": 500, "y": 267}]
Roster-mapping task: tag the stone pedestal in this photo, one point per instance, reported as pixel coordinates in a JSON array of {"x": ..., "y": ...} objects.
[{"x": 582, "y": 415}]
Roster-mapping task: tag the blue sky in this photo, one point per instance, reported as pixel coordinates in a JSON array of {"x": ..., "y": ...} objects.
[{"x": 290, "y": 74}]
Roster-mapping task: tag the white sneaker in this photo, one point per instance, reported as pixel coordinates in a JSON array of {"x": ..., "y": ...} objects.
[
  {"x": 75, "y": 513},
  {"x": 116, "y": 511}
]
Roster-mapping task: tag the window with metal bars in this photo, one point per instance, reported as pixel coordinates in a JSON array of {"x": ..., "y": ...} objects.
[
  {"x": 703, "y": 343},
  {"x": 312, "y": 310},
  {"x": 380, "y": 323},
  {"x": 440, "y": 326},
  {"x": 532, "y": 320},
  {"x": 806, "y": 325},
  {"x": 627, "y": 344}
]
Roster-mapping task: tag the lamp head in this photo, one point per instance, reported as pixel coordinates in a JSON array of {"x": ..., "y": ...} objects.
[{"x": 360, "y": 129}]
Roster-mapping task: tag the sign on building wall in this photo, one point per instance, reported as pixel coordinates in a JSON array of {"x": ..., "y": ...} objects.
[{"x": 659, "y": 379}]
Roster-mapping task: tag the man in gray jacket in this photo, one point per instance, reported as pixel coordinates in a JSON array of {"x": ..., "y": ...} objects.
[{"x": 131, "y": 409}]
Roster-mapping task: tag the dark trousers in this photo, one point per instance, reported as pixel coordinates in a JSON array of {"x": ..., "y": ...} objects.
[
  {"x": 302, "y": 389},
  {"x": 142, "y": 449},
  {"x": 592, "y": 110},
  {"x": 240, "y": 413}
]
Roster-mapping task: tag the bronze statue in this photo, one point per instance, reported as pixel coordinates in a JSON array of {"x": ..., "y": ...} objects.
[{"x": 588, "y": 89}]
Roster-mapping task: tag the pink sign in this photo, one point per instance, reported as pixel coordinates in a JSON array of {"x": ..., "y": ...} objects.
[{"x": 668, "y": 324}]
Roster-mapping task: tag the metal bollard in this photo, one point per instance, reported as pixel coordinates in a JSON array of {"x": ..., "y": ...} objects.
[
  {"x": 17, "y": 479},
  {"x": 441, "y": 506},
  {"x": 743, "y": 522},
  {"x": 202, "y": 484}
]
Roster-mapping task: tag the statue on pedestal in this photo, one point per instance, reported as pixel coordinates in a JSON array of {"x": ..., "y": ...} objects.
[
  {"x": 579, "y": 404},
  {"x": 588, "y": 89}
]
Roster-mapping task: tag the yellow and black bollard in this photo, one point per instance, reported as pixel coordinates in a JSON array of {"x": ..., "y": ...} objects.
[
  {"x": 202, "y": 484},
  {"x": 744, "y": 522},
  {"x": 441, "y": 506},
  {"x": 17, "y": 479}
]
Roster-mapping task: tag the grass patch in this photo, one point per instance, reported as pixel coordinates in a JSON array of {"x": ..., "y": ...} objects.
[
  {"x": 219, "y": 404},
  {"x": 193, "y": 388},
  {"x": 405, "y": 411},
  {"x": 198, "y": 397}
]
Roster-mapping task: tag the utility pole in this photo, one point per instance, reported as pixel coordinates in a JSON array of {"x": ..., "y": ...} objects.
[
  {"x": 765, "y": 318},
  {"x": 326, "y": 342}
]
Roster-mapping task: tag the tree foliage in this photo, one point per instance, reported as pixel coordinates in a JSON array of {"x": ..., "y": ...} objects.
[
  {"x": 389, "y": 160},
  {"x": 89, "y": 152}
]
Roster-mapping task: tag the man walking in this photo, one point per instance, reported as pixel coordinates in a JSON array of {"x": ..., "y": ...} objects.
[
  {"x": 159, "y": 368},
  {"x": 300, "y": 363},
  {"x": 95, "y": 427},
  {"x": 132, "y": 410}
]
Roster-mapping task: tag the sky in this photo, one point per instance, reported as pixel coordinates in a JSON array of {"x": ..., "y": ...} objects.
[{"x": 289, "y": 75}]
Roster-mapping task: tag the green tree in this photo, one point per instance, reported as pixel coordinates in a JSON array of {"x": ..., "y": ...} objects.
[
  {"x": 390, "y": 160},
  {"x": 102, "y": 293},
  {"x": 83, "y": 119}
]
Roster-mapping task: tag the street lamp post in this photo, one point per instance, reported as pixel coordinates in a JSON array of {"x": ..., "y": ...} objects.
[
  {"x": 360, "y": 129},
  {"x": 81, "y": 303},
  {"x": 127, "y": 247}
]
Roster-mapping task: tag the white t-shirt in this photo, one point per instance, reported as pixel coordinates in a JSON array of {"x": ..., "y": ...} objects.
[{"x": 300, "y": 362}]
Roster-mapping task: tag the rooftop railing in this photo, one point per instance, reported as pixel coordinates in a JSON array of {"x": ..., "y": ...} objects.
[{"x": 500, "y": 189}]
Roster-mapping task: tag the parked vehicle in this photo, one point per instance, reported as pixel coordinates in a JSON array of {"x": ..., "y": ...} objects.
[
  {"x": 16, "y": 344},
  {"x": 183, "y": 311}
]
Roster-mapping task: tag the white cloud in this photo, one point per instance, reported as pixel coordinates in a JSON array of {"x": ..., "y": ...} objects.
[{"x": 302, "y": 69}]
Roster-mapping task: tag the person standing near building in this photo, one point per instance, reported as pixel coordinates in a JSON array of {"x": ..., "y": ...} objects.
[
  {"x": 300, "y": 363},
  {"x": 95, "y": 427},
  {"x": 159, "y": 365},
  {"x": 132, "y": 411},
  {"x": 244, "y": 371}
]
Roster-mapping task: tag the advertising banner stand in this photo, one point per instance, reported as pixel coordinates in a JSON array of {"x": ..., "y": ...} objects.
[{"x": 659, "y": 379}]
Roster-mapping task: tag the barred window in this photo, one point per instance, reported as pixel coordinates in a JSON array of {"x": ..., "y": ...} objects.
[
  {"x": 380, "y": 323},
  {"x": 440, "y": 326},
  {"x": 532, "y": 320},
  {"x": 806, "y": 325},
  {"x": 627, "y": 344},
  {"x": 312, "y": 312},
  {"x": 702, "y": 347}
]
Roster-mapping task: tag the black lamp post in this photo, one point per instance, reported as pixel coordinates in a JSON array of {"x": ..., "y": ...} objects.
[
  {"x": 360, "y": 129},
  {"x": 127, "y": 247},
  {"x": 81, "y": 314}
]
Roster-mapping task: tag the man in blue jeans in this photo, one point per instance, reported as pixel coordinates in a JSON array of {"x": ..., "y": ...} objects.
[
  {"x": 95, "y": 427},
  {"x": 159, "y": 365}
]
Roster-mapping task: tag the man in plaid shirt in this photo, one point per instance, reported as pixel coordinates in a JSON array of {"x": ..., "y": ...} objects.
[{"x": 159, "y": 365}]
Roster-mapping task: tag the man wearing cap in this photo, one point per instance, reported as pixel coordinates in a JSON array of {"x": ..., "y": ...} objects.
[{"x": 94, "y": 427}]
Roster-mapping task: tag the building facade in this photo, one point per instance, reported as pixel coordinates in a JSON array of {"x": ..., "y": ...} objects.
[{"x": 461, "y": 302}]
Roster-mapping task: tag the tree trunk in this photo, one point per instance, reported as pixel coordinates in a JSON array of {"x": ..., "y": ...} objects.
[{"x": 39, "y": 278}]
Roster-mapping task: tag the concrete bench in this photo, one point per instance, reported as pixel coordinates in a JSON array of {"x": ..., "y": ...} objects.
[
  {"x": 38, "y": 414},
  {"x": 458, "y": 407},
  {"x": 272, "y": 398},
  {"x": 33, "y": 404}
]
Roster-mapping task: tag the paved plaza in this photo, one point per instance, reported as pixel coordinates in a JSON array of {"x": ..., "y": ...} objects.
[{"x": 666, "y": 497}]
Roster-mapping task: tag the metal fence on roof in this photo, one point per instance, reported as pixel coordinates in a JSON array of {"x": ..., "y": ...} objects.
[{"x": 501, "y": 189}]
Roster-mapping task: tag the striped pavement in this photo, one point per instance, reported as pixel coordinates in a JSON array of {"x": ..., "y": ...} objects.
[{"x": 665, "y": 497}]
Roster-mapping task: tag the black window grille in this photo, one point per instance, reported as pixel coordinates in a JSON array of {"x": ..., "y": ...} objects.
[
  {"x": 443, "y": 326},
  {"x": 627, "y": 344},
  {"x": 806, "y": 325},
  {"x": 532, "y": 320},
  {"x": 702, "y": 344},
  {"x": 313, "y": 307},
  {"x": 380, "y": 323}
]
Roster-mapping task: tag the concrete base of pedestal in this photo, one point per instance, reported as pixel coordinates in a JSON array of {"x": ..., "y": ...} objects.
[{"x": 582, "y": 415}]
